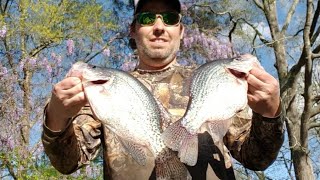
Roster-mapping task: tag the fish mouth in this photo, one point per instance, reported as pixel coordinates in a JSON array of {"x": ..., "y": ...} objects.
[
  {"x": 237, "y": 73},
  {"x": 100, "y": 81}
]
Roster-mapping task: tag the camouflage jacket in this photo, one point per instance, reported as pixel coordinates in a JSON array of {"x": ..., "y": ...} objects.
[{"x": 252, "y": 140}]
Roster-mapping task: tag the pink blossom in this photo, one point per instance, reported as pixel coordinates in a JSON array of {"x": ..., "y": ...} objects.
[
  {"x": 106, "y": 52},
  {"x": 10, "y": 143},
  {"x": 89, "y": 171},
  {"x": 49, "y": 68},
  {"x": 70, "y": 46},
  {"x": 184, "y": 7},
  {"x": 21, "y": 64},
  {"x": 59, "y": 59},
  {"x": 32, "y": 61},
  {"x": 3, "y": 31},
  {"x": 3, "y": 71},
  {"x": 56, "y": 58},
  {"x": 128, "y": 66},
  {"x": 53, "y": 55}
]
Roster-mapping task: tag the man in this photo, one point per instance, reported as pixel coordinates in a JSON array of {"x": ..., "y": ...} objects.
[{"x": 72, "y": 137}]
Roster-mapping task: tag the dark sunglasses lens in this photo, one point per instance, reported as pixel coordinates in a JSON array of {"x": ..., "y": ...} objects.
[
  {"x": 146, "y": 18},
  {"x": 171, "y": 18}
]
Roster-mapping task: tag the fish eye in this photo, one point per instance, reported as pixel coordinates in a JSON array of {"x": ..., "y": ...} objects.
[{"x": 94, "y": 67}]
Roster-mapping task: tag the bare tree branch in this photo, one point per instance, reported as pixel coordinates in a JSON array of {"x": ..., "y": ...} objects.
[
  {"x": 289, "y": 16},
  {"x": 260, "y": 35},
  {"x": 316, "y": 49},
  {"x": 314, "y": 111},
  {"x": 308, "y": 77},
  {"x": 292, "y": 74},
  {"x": 289, "y": 168},
  {"x": 235, "y": 22},
  {"x": 104, "y": 47},
  {"x": 297, "y": 33},
  {"x": 257, "y": 32},
  {"x": 259, "y": 4},
  {"x": 315, "y": 55},
  {"x": 9, "y": 167},
  {"x": 314, "y": 125},
  {"x": 315, "y": 35},
  {"x": 278, "y": 38},
  {"x": 2, "y": 12},
  {"x": 39, "y": 48},
  {"x": 213, "y": 11},
  {"x": 314, "y": 24},
  {"x": 3, "y": 9}
]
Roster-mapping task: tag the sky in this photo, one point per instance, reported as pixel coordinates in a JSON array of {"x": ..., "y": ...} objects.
[{"x": 265, "y": 55}]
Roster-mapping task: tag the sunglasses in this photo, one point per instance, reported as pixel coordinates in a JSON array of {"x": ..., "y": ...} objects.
[{"x": 149, "y": 18}]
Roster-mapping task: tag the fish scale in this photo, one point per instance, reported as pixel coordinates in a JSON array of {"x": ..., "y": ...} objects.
[
  {"x": 218, "y": 90},
  {"x": 127, "y": 108}
]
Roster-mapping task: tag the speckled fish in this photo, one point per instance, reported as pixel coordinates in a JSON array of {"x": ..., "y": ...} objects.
[
  {"x": 126, "y": 107},
  {"x": 218, "y": 91}
]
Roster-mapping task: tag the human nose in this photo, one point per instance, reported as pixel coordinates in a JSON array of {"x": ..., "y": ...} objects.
[{"x": 158, "y": 26}]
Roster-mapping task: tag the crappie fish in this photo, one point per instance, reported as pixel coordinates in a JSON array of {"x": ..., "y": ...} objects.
[
  {"x": 218, "y": 90},
  {"x": 127, "y": 108}
]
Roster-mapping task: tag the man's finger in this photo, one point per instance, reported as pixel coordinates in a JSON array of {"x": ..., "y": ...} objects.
[
  {"x": 69, "y": 93},
  {"x": 261, "y": 74},
  {"x": 77, "y": 100},
  {"x": 255, "y": 82},
  {"x": 68, "y": 83}
]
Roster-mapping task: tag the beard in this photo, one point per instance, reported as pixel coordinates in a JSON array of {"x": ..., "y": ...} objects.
[{"x": 159, "y": 54}]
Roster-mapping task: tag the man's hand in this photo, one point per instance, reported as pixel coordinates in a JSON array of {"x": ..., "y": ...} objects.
[
  {"x": 66, "y": 101},
  {"x": 263, "y": 93}
]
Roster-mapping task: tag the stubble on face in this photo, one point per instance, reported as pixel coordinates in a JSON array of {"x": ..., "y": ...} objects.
[
  {"x": 158, "y": 44},
  {"x": 167, "y": 53}
]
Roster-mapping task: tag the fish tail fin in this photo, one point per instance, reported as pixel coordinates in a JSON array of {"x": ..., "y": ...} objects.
[
  {"x": 168, "y": 166},
  {"x": 179, "y": 139}
]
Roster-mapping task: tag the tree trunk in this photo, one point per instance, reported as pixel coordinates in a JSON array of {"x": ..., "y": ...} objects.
[
  {"x": 301, "y": 161},
  {"x": 297, "y": 124},
  {"x": 302, "y": 164}
]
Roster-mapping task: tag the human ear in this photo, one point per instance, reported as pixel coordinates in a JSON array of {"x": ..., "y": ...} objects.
[
  {"x": 181, "y": 31},
  {"x": 132, "y": 30}
]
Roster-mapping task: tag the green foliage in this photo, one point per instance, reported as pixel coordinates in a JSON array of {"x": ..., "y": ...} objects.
[
  {"x": 31, "y": 52},
  {"x": 50, "y": 22},
  {"x": 33, "y": 166}
]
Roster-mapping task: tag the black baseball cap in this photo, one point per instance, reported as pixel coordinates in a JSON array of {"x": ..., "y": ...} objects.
[{"x": 175, "y": 4}]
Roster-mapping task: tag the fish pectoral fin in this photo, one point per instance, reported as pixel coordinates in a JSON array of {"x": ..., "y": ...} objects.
[
  {"x": 177, "y": 138},
  {"x": 137, "y": 151},
  {"x": 218, "y": 128},
  {"x": 188, "y": 153}
]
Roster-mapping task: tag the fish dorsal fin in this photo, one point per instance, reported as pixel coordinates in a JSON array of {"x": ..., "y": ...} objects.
[{"x": 137, "y": 152}]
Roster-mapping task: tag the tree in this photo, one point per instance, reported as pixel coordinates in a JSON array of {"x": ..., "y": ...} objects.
[
  {"x": 39, "y": 40},
  {"x": 289, "y": 31},
  {"x": 298, "y": 124},
  {"x": 32, "y": 37}
]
